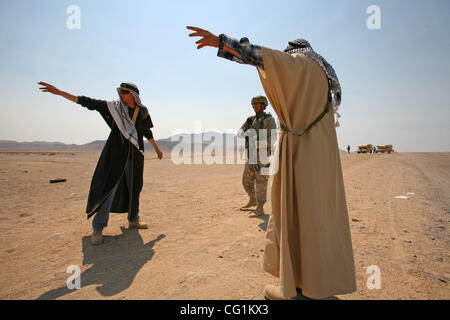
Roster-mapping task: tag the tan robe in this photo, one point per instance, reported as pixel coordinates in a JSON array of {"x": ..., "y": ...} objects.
[{"x": 308, "y": 241}]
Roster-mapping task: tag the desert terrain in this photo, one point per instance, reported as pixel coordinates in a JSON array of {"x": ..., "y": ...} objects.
[{"x": 199, "y": 245}]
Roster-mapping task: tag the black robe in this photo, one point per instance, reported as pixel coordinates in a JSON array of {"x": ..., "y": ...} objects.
[{"x": 110, "y": 168}]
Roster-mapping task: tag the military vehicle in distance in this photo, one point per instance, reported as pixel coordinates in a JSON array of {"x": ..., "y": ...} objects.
[
  {"x": 367, "y": 148},
  {"x": 387, "y": 148}
]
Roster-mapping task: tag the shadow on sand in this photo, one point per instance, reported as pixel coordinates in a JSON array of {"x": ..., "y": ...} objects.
[
  {"x": 302, "y": 297},
  {"x": 265, "y": 219},
  {"x": 115, "y": 263}
]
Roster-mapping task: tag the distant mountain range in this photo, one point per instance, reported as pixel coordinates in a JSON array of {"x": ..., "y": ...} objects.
[{"x": 97, "y": 145}]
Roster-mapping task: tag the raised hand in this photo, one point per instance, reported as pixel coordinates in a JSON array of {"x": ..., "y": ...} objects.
[
  {"x": 49, "y": 88},
  {"x": 208, "y": 39},
  {"x": 52, "y": 89}
]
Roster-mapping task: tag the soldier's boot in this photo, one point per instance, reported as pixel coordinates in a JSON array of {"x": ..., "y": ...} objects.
[
  {"x": 251, "y": 203},
  {"x": 96, "y": 238},
  {"x": 257, "y": 212},
  {"x": 137, "y": 225}
]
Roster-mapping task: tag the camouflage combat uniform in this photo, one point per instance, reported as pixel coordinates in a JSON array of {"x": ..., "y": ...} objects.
[{"x": 255, "y": 183}]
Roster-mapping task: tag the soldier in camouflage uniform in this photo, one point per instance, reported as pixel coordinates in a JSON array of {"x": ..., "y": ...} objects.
[{"x": 255, "y": 183}]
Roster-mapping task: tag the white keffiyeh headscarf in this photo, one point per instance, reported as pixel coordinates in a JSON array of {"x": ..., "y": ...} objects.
[
  {"x": 303, "y": 46},
  {"x": 119, "y": 112}
]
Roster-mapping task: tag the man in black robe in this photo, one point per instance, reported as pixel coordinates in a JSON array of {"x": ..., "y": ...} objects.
[{"x": 118, "y": 177}]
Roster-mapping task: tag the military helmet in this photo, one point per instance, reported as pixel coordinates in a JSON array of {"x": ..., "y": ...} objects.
[{"x": 260, "y": 99}]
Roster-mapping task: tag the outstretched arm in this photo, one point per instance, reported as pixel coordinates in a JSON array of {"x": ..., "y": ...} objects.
[
  {"x": 209, "y": 40},
  {"x": 229, "y": 48},
  {"x": 91, "y": 104},
  {"x": 52, "y": 89}
]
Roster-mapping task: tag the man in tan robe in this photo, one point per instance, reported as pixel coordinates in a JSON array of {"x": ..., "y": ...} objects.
[{"x": 308, "y": 240}]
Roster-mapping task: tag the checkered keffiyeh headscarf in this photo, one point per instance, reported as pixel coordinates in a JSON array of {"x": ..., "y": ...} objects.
[
  {"x": 119, "y": 112},
  {"x": 133, "y": 90},
  {"x": 303, "y": 46}
]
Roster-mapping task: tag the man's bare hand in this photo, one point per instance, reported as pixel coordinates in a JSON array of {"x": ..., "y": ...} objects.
[
  {"x": 160, "y": 154},
  {"x": 52, "y": 89},
  {"x": 49, "y": 88},
  {"x": 208, "y": 39}
]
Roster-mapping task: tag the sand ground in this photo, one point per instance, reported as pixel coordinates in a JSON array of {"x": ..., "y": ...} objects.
[{"x": 199, "y": 244}]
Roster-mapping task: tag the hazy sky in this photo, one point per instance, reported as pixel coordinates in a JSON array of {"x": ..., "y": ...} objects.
[{"x": 395, "y": 80}]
